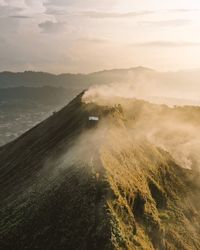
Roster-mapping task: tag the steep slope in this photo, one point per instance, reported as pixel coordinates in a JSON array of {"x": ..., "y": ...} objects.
[
  {"x": 43, "y": 205},
  {"x": 70, "y": 183}
]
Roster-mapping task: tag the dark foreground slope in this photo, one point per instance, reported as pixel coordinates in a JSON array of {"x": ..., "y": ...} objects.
[{"x": 73, "y": 184}]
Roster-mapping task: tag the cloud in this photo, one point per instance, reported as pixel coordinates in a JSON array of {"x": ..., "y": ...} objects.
[
  {"x": 98, "y": 14},
  {"x": 52, "y": 27},
  {"x": 78, "y": 5},
  {"x": 21, "y": 9},
  {"x": 102, "y": 15},
  {"x": 182, "y": 10},
  {"x": 10, "y": 16},
  {"x": 3, "y": 41},
  {"x": 9, "y": 26},
  {"x": 62, "y": 2},
  {"x": 81, "y": 3},
  {"x": 167, "y": 44},
  {"x": 173, "y": 22},
  {"x": 20, "y": 17},
  {"x": 6, "y": 11},
  {"x": 93, "y": 40}
]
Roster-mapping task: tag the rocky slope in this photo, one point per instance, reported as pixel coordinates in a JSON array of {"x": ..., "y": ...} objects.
[{"x": 69, "y": 183}]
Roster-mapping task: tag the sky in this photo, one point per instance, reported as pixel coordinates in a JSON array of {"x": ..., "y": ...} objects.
[{"x": 90, "y": 35}]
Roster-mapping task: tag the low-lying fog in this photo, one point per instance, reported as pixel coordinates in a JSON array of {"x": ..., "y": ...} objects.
[{"x": 175, "y": 129}]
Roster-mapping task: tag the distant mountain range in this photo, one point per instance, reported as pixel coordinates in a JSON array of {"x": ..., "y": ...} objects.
[
  {"x": 35, "y": 79},
  {"x": 28, "y": 97},
  {"x": 177, "y": 85}
]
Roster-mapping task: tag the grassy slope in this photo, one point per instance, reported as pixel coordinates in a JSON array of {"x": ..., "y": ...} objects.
[
  {"x": 131, "y": 195},
  {"x": 154, "y": 204}
]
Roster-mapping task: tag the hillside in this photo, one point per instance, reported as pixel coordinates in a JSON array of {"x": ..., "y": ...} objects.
[
  {"x": 67, "y": 80},
  {"x": 70, "y": 183}
]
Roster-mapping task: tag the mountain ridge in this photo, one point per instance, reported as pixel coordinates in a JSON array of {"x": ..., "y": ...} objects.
[
  {"x": 69, "y": 183},
  {"x": 69, "y": 80}
]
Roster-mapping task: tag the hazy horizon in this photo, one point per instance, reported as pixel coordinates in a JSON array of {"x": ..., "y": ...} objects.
[{"x": 103, "y": 69}]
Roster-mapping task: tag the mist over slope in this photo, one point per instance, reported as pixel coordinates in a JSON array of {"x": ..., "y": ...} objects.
[
  {"x": 113, "y": 184},
  {"x": 175, "y": 129},
  {"x": 27, "y": 98}
]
